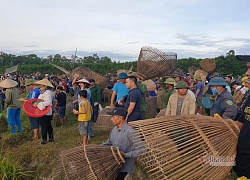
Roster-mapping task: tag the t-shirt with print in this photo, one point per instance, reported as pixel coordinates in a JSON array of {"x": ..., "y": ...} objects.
[{"x": 34, "y": 93}]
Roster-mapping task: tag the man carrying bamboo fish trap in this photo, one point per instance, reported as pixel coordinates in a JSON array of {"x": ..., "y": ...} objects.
[{"x": 123, "y": 137}]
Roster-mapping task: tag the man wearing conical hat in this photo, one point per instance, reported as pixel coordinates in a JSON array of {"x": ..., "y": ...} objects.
[{"x": 12, "y": 104}]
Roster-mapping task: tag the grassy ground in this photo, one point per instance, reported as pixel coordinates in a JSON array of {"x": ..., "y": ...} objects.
[
  {"x": 42, "y": 159},
  {"x": 20, "y": 153}
]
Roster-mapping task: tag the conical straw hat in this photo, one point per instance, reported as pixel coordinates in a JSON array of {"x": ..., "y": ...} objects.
[
  {"x": 44, "y": 82},
  {"x": 8, "y": 83}
]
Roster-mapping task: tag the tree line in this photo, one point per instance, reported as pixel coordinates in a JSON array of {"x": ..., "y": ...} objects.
[{"x": 31, "y": 63}]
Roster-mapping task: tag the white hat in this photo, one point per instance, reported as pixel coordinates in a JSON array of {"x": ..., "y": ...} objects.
[
  {"x": 44, "y": 82},
  {"x": 8, "y": 83},
  {"x": 83, "y": 81}
]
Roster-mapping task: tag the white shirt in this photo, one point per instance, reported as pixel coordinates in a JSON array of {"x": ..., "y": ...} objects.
[
  {"x": 191, "y": 94},
  {"x": 47, "y": 98}
]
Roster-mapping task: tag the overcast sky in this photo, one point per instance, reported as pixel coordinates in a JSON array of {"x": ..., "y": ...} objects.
[{"x": 118, "y": 29}]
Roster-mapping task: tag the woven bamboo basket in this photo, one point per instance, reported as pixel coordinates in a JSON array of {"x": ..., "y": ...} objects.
[
  {"x": 121, "y": 70},
  {"x": 91, "y": 162},
  {"x": 89, "y": 74},
  {"x": 179, "y": 72},
  {"x": 106, "y": 94},
  {"x": 153, "y": 62},
  {"x": 187, "y": 146},
  {"x": 202, "y": 73},
  {"x": 124, "y": 70},
  {"x": 104, "y": 120},
  {"x": 161, "y": 113},
  {"x": 192, "y": 69},
  {"x": 208, "y": 65},
  {"x": 151, "y": 109},
  {"x": 150, "y": 84}
]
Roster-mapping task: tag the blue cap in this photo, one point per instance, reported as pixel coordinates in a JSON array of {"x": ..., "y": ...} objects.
[
  {"x": 122, "y": 75},
  {"x": 217, "y": 81}
]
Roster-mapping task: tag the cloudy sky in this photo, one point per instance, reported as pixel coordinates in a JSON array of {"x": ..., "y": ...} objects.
[{"x": 118, "y": 29}]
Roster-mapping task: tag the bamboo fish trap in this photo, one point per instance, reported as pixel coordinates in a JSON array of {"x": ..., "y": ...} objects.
[
  {"x": 161, "y": 113},
  {"x": 202, "y": 73},
  {"x": 153, "y": 62},
  {"x": 187, "y": 146},
  {"x": 89, "y": 74},
  {"x": 150, "y": 84},
  {"x": 151, "y": 109},
  {"x": 104, "y": 120},
  {"x": 192, "y": 69},
  {"x": 106, "y": 95},
  {"x": 208, "y": 65},
  {"x": 91, "y": 162}
]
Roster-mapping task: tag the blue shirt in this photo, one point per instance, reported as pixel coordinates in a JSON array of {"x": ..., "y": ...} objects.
[
  {"x": 200, "y": 85},
  {"x": 126, "y": 141},
  {"x": 152, "y": 93},
  {"x": 34, "y": 93},
  {"x": 121, "y": 90},
  {"x": 88, "y": 96}
]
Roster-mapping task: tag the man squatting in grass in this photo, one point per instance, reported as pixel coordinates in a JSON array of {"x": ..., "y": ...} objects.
[{"x": 84, "y": 116}]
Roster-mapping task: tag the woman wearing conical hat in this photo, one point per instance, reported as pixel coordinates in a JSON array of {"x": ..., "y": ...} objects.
[
  {"x": 12, "y": 104},
  {"x": 45, "y": 121}
]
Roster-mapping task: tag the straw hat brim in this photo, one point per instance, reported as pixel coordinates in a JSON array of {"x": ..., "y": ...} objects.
[
  {"x": 44, "y": 82},
  {"x": 83, "y": 81},
  {"x": 8, "y": 83}
]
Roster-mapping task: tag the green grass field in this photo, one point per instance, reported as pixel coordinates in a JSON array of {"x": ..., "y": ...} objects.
[
  {"x": 19, "y": 149},
  {"x": 22, "y": 158}
]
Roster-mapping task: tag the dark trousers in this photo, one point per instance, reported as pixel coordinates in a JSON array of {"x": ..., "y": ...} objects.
[
  {"x": 121, "y": 175},
  {"x": 45, "y": 123},
  {"x": 118, "y": 105},
  {"x": 95, "y": 113}
]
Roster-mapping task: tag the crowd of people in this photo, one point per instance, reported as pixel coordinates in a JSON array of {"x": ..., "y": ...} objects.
[{"x": 176, "y": 95}]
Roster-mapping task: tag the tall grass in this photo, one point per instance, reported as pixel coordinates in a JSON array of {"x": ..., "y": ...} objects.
[
  {"x": 13, "y": 171},
  {"x": 34, "y": 161}
]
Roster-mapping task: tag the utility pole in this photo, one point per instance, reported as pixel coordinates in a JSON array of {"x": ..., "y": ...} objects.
[{"x": 74, "y": 60}]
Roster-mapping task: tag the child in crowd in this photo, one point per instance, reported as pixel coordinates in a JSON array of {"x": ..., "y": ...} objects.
[{"x": 84, "y": 116}]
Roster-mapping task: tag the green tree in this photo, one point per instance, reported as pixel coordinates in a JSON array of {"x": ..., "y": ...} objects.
[
  {"x": 105, "y": 59},
  {"x": 231, "y": 53}
]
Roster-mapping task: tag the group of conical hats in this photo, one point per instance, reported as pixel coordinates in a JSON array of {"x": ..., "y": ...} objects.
[{"x": 8, "y": 83}]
